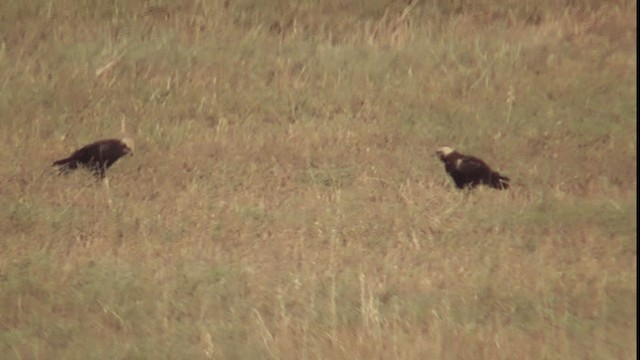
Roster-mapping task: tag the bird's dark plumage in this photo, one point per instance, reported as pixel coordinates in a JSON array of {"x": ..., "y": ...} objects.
[
  {"x": 469, "y": 171},
  {"x": 97, "y": 156}
]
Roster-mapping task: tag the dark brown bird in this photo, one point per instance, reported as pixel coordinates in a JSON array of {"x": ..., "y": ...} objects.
[
  {"x": 469, "y": 171},
  {"x": 97, "y": 156}
]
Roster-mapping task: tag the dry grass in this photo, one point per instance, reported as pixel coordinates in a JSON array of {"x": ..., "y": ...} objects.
[{"x": 284, "y": 200}]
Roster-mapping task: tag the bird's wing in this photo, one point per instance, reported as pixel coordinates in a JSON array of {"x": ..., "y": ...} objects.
[{"x": 471, "y": 165}]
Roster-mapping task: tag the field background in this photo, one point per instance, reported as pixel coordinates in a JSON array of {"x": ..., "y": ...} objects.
[{"x": 285, "y": 201}]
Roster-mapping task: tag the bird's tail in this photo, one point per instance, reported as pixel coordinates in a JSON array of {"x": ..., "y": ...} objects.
[
  {"x": 499, "y": 182},
  {"x": 62, "y": 161},
  {"x": 66, "y": 164}
]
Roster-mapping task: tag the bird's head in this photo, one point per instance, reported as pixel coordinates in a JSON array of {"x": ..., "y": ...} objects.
[
  {"x": 127, "y": 145},
  {"x": 443, "y": 152}
]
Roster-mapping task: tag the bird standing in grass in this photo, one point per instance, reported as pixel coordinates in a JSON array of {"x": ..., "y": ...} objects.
[
  {"x": 469, "y": 171},
  {"x": 97, "y": 156}
]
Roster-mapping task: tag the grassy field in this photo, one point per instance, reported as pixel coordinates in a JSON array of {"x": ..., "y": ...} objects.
[{"x": 285, "y": 201}]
